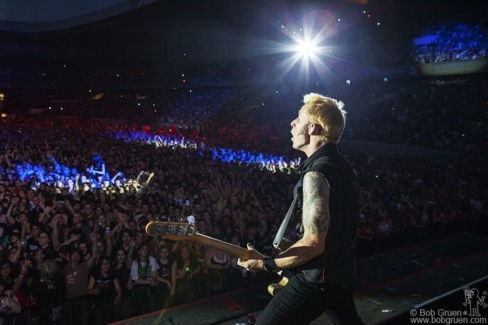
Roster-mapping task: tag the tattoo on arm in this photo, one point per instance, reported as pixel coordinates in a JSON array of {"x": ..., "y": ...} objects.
[{"x": 316, "y": 215}]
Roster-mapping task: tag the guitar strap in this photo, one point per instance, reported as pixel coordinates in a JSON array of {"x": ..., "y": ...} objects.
[{"x": 284, "y": 224}]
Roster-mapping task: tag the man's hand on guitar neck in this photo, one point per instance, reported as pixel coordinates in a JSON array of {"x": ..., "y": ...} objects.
[{"x": 255, "y": 263}]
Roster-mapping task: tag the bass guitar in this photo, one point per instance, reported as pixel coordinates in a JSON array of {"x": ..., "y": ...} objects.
[{"x": 187, "y": 231}]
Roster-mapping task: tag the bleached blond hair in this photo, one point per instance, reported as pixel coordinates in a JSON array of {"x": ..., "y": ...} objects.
[{"x": 328, "y": 113}]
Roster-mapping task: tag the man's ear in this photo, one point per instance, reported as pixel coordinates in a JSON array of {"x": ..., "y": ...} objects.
[
  {"x": 310, "y": 128},
  {"x": 314, "y": 129}
]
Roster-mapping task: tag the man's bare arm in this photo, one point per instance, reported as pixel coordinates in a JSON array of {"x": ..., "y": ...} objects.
[{"x": 316, "y": 215}]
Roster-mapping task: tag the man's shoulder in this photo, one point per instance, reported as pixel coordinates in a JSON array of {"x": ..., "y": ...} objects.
[{"x": 335, "y": 165}]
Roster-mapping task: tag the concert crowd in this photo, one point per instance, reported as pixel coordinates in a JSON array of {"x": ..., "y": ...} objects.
[
  {"x": 452, "y": 42},
  {"x": 77, "y": 195}
]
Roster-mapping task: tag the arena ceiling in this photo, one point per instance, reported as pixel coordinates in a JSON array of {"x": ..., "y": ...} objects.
[
  {"x": 171, "y": 30},
  {"x": 51, "y": 10}
]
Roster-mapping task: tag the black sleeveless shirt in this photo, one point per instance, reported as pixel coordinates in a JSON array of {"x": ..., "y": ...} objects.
[{"x": 337, "y": 264}]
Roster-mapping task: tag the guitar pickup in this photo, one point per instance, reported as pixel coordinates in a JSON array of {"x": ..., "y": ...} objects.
[{"x": 186, "y": 230}]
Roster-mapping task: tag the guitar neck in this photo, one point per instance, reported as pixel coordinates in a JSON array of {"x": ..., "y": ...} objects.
[
  {"x": 222, "y": 246},
  {"x": 186, "y": 231}
]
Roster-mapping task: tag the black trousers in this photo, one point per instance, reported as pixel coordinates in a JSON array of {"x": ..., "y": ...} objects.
[{"x": 301, "y": 302}]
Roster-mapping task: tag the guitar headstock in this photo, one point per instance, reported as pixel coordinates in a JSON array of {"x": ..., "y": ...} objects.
[{"x": 171, "y": 230}]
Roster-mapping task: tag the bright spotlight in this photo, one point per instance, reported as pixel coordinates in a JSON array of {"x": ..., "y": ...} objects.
[{"x": 306, "y": 48}]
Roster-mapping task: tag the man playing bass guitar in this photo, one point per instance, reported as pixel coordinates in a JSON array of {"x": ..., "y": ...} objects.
[{"x": 322, "y": 259}]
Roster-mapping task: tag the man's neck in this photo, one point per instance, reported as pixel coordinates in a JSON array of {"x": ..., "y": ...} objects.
[{"x": 313, "y": 147}]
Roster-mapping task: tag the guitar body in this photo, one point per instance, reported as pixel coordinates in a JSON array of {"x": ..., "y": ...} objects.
[{"x": 274, "y": 288}]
